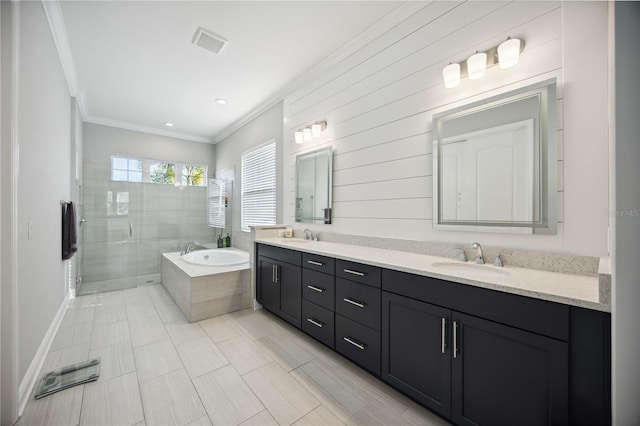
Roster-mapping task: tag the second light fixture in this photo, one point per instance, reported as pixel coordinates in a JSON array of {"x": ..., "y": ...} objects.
[{"x": 310, "y": 132}]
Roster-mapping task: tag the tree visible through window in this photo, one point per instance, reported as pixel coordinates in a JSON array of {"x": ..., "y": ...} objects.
[{"x": 160, "y": 172}]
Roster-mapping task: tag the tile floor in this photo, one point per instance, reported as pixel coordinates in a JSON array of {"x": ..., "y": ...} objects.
[{"x": 246, "y": 368}]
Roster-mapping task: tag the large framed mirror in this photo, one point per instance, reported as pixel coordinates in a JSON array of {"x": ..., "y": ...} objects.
[
  {"x": 495, "y": 163},
  {"x": 314, "y": 185}
]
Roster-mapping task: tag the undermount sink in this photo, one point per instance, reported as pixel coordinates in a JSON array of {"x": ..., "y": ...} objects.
[
  {"x": 470, "y": 268},
  {"x": 294, "y": 240}
]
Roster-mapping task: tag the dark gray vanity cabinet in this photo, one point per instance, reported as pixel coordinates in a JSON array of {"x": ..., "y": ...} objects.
[
  {"x": 279, "y": 280},
  {"x": 477, "y": 356}
]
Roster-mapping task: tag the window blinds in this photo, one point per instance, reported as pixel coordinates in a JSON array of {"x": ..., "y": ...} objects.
[
  {"x": 216, "y": 194},
  {"x": 259, "y": 187}
]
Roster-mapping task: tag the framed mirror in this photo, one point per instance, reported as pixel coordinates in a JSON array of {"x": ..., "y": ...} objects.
[
  {"x": 495, "y": 163},
  {"x": 313, "y": 186}
]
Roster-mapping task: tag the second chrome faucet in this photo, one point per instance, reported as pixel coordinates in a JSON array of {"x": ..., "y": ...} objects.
[{"x": 479, "y": 256}]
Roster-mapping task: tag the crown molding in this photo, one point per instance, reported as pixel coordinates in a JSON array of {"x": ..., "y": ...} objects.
[
  {"x": 146, "y": 129},
  {"x": 383, "y": 25},
  {"x": 53, "y": 12}
]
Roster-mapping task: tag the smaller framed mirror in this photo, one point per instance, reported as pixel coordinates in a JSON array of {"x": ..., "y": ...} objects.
[
  {"x": 313, "y": 186},
  {"x": 495, "y": 163}
]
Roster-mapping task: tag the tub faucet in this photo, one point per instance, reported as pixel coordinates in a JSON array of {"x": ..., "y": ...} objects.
[
  {"x": 479, "y": 257},
  {"x": 308, "y": 235},
  {"x": 191, "y": 246}
]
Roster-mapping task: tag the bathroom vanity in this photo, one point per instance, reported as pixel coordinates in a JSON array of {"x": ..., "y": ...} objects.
[{"x": 487, "y": 346}]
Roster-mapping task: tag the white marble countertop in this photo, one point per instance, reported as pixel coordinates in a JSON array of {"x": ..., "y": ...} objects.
[{"x": 576, "y": 290}]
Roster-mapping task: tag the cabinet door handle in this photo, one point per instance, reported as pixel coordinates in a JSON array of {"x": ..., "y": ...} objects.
[
  {"x": 316, "y": 323},
  {"x": 319, "y": 290},
  {"x": 353, "y": 302},
  {"x": 273, "y": 273},
  {"x": 356, "y": 344},
  {"x": 313, "y": 262},
  {"x": 349, "y": 271},
  {"x": 444, "y": 331},
  {"x": 455, "y": 339},
  {"x": 277, "y": 274}
]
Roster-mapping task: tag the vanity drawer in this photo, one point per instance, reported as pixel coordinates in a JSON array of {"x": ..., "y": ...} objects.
[
  {"x": 293, "y": 257},
  {"x": 319, "y": 263},
  {"x": 358, "y": 343},
  {"x": 318, "y": 322},
  {"x": 318, "y": 288},
  {"x": 358, "y": 302},
  {"x": 365, "y": 274}
]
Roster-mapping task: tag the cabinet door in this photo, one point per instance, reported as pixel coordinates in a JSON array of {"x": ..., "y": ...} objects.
[
  {"x": 268, "y": 290},
  {"x": 416, "y": 354},
  {"x": 289, "y": 278},
  {"x": 505, "y": 376}
]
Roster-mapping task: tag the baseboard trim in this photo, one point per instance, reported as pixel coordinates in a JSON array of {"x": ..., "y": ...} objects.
[{"x": 33, "y": 373}]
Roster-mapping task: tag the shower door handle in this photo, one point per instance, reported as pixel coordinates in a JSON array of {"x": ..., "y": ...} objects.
[{"x": 130, "y": 229}]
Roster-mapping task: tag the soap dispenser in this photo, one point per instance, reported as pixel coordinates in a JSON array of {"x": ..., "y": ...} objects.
[
  {"x": 220, "y": 242},
  {"x": 227, "y": 240}
]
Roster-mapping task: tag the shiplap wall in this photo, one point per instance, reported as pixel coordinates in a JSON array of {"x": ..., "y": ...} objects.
[{"x": 379, "y": 102}]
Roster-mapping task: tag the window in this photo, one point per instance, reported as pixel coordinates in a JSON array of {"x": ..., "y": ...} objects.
[
  {"x": 217, "y": 203},
  {"x": 258, "y": 203},
  {"x": 161, "y": 172}
]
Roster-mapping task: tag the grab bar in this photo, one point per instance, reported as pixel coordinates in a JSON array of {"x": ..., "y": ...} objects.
[{"x": 130, "y": 229}]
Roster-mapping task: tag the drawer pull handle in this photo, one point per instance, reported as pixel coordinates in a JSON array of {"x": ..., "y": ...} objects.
[
  {"x": 313, "y": 262},
  {"x": 316, "y": 323},
  {"x": 349, "y": 271},
  {"x": 353, "y": 302},
  {"x": 356, "y": 344},
  {"x": 319, "y": 290}
]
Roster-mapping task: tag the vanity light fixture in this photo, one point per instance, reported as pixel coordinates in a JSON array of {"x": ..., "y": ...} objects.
[
  {"x": 310, "y": 132},
  {"x": 477, "y": 65},
  {"x": 505, "y": 55}
]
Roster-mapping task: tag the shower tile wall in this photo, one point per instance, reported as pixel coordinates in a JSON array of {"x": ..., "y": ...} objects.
[{"x": 129, "y": 225}]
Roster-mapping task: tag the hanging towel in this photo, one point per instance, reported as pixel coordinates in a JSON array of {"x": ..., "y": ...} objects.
[{"x": 69, "y": 235}]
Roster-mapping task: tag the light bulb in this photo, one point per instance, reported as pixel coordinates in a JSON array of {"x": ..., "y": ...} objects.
[
  {"x": 477, "y": 65},
  {"x": 451, "y": 75},
  {"x": 306, "y": 132},
  {"x": 299, "y": 136},
  {"x": 509, "y": 53},
  {"x": 316, "y": 130}
]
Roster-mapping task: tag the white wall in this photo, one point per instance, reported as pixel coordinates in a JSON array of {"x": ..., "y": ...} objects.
[
  {"x": 379, "y": 101},
  {"x": 44, "y": 175},
  {"x": 100, "y": 142},
  {"x": 266, "y": 127},
  {"x": 626, "y": 222}
]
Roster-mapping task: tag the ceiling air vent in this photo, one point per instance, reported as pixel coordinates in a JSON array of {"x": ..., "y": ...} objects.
[{"x": 209, "y": 40}]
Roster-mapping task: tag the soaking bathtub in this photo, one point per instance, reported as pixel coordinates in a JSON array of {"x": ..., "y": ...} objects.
[{"x": 207, "y": 283}]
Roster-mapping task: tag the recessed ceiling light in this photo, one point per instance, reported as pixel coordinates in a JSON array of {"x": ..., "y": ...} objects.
[
  {"x": 168, "y": 124},
  {"x": 221, "y": 101}
]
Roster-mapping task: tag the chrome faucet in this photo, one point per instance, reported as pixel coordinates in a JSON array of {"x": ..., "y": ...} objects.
[
  {"x": 479, "y": 257},
  {"x": 191, "y": 246},
  {"x": 308, "y": 235}
]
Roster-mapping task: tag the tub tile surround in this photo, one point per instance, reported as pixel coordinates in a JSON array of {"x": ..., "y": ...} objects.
[
  {"x": 203, "y": 292},
  {"x": 583, "y": 281}
]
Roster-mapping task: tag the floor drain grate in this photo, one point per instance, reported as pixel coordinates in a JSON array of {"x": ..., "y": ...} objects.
[{"x": 66, "y": 377}]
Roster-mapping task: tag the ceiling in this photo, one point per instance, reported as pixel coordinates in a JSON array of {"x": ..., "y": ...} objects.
[{"x": 136, "y": 66}]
